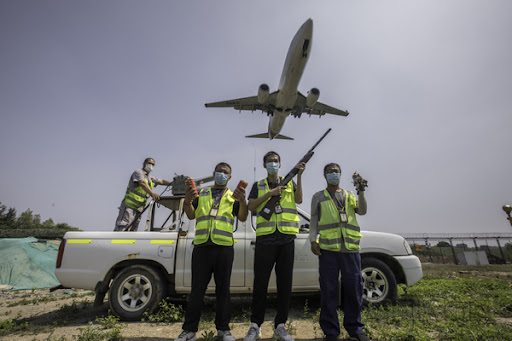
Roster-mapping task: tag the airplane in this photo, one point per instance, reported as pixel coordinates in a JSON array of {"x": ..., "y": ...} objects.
[{"x": 287, "y": 99}]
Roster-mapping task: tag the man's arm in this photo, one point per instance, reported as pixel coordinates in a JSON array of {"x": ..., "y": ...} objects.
[
  {"x": 190, "y": 211},
  {"x": 298, "y": 193},
  {"x": 165, "y": 182},
  {"x": 148, "y": 190},
  {"x": 313, "y": 226},
  {"x": 239, "y": 194},
  {"x": 255, "y": 202},
  {"x": 362, "y": 206}
]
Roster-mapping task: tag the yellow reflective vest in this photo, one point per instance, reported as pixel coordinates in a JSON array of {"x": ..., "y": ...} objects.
[
  {"x": 218, "y": 227},
  {"x": 286, "y": 222},
  {"x": 137, "y": 197},
  {"x": 332, "y": 231}
]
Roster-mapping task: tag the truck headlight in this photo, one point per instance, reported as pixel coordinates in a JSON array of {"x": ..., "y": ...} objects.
[{"x": 407, "y": 247}]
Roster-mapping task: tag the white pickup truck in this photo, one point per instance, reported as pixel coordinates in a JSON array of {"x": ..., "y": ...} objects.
[{"x": 139, "y": 269}]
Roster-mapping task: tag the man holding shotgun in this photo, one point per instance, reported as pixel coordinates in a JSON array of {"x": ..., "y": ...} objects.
[{"x": 274, "y": 243}]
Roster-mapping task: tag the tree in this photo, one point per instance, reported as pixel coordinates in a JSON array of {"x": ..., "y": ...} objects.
[
  {"x": 64, "y": 226},
  {"x": 48, "y": 224},
  {"x": 26, "y": 220},
  {"x": 7, "y": 219},
  {"x": 442, "y": 243}
]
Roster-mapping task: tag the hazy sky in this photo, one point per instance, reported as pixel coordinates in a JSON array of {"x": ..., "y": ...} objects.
[{"x": 88, "y": 89}]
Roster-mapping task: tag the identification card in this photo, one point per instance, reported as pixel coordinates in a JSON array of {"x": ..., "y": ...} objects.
[
  {"x": 213, "y": 211},
  {"x": 343, "y": 217},
  {"x": 278, "y": 209}
]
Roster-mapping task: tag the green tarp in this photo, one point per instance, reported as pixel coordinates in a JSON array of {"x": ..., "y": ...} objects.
[{"x": 27, "y": 263}]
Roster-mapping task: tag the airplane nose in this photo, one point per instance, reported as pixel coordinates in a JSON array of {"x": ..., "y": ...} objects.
[{"x": 308, "y": 27}]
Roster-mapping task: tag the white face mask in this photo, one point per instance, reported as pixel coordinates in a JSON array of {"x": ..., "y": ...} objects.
[{"x": 148, "y": 167}]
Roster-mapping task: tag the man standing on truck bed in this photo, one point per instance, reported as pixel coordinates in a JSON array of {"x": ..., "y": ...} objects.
[
  {"x": 215, "y": 210},
  {"x": 275, "y": 244},
  {"x": 140, "y": 187},
  {"x": 333, "y": 216}
]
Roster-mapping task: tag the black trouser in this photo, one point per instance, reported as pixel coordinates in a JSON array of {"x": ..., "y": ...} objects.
[
  {"x": 265, "y": 257},
  {"x": 208, "y": 260}
]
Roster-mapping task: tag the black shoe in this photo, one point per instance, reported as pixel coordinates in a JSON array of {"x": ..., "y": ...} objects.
[
  {"x": 360, "y": 337},
  {"x": 331, "y": 338}
]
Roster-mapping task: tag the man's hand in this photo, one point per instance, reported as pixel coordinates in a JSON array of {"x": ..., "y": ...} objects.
[
  {"x": 276, "y": 191},
  {"x": 315, "y": 248},
  {"x": 155, "y": 196},
  {"x": 239, "y": 194},
  {"x": 190, "y": 195},
  {"x": 359, "y": 182},
  {"x": 301, "y": 166}
]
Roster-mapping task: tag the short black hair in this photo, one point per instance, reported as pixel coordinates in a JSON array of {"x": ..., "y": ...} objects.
[
  {"x": 271, "y": 153},
  {"x": 147, "y": 159},
  {"x": 332, "y": 164},
  {"x": 224, "y": 164}
]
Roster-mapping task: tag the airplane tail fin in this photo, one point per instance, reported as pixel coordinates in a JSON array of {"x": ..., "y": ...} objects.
[{"x": 265, "y": 136}]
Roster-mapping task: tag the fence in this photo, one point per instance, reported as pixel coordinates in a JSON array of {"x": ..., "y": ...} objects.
[{"x": 447, "y": 247}]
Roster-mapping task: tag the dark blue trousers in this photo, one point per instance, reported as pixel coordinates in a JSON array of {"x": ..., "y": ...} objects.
[{"x": 330, "y": 265}]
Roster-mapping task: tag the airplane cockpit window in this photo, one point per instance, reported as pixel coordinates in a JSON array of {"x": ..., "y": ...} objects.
[{"x": 305, "y": 46}]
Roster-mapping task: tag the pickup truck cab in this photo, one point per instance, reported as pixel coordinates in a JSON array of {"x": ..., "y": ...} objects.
[{"x": 139, "y": 269}]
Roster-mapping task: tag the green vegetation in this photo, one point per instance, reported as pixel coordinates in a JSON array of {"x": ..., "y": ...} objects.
[
  {"x": 10, "y": 326},
  {"x": 28, "y": 220},
  {"x": 447, "y": 305},
  {"x": 168, "y": 312},
  {"x": 34, "y": 301},
  {"x": 98, "y": 333},
  {"x": 208, "y": 336}
]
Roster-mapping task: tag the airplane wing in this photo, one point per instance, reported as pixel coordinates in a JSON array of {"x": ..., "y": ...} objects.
[
  {"x": 317, "y": 109},
  {"x": 246, "y": 103}
]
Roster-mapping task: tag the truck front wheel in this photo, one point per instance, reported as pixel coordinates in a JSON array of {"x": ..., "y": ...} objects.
[
  {"x": 379, "y": 282},
  {"x": 136, "y": 289}
]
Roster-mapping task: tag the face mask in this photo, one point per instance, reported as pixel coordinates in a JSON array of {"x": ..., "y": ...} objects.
[
  {"x": 272, "y": 167},
  {"x": 221, "y": 178},
  {"x": 148, "y": 167},
  {"x": 333, "y": 178}
]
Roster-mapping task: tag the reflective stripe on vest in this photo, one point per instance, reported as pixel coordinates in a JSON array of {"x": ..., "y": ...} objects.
[
  {"x": 287, "y": 221},
  {"x": 219, "y": 227},
  {"x": 332, "y": 231},
  {"x": 136, "y": 198}
]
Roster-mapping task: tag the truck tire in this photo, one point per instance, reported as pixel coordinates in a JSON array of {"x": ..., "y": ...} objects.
[
  {"x": 379, "y": 282},
  {"x": 136, "y": 289}
]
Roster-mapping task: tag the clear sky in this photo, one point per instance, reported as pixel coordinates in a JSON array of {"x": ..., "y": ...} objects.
[{"x": 88, "y": 89}]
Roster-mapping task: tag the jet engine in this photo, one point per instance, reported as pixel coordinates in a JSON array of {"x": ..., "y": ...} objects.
[
  {"x": 313, "y": 95},
  {"x": 263, "y": 92}
]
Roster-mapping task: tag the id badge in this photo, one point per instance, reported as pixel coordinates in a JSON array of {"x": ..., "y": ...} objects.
[
  {"x": 278, "y": 209},
  {"x": 343, "y": 217},
  {"x": 213, "y": 211}
]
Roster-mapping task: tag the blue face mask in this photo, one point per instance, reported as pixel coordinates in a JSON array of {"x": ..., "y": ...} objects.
[
  {"x": 221, "y": 178},
  {"x": 272, "y": 167},
  {"x": 333, "y": 178}
]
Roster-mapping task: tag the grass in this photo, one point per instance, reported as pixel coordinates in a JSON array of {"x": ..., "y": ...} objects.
[{"x": 448, "y": 304}]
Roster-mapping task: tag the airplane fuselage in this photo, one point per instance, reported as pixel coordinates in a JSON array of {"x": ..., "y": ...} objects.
[{"x": 294, "y": 65}]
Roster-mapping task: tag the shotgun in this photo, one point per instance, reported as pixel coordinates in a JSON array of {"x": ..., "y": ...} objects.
[{"x": 268, "y": 210}]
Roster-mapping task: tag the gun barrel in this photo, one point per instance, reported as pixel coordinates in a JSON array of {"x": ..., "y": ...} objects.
[{"x": 320, "y": 140}]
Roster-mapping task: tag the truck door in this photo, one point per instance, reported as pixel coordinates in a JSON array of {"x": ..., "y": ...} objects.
[{"x": 237, "y": 275}]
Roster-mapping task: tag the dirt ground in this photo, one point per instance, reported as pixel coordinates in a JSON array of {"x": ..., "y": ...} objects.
[{"x": 65, "y": 314}]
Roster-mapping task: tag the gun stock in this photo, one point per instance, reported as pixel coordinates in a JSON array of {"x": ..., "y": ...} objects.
[{"x": 268, "y": 210}]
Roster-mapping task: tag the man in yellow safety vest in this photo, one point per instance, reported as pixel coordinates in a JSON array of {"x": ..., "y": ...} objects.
[
  {"x": 275, "y": 244},
  {"x": 140, "y": 187},
  {"x": 335, "y": 236},
  {"x": 214, "y": 210}
]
